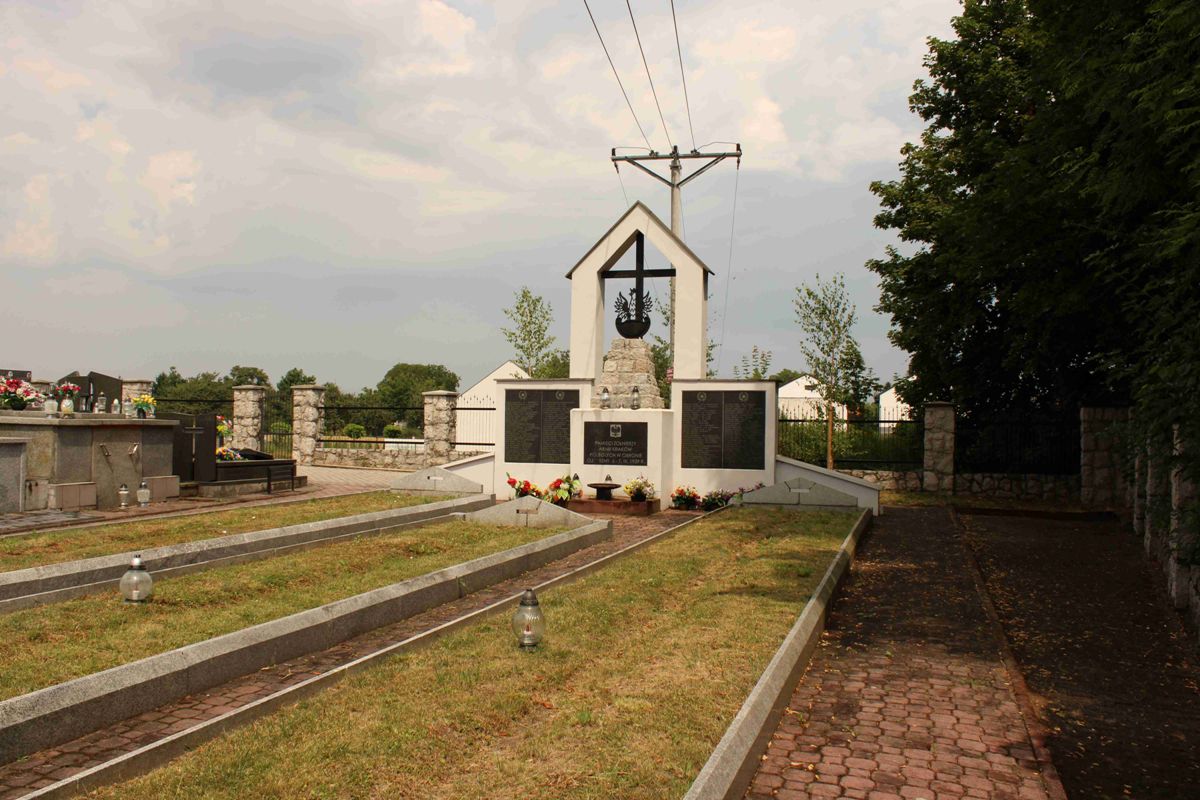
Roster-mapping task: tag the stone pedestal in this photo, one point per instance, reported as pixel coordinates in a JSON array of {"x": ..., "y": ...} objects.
[
  {"x": 939, "y": 448},
  {"x": 248, "y": 407},
  {"x": 629, "y": 363},
  {"x": 1100, "y": 481},
  {"x": 133, "y": 388},
  {"x": 441, "y": 415},
  {"x": 308, "y": 416}
]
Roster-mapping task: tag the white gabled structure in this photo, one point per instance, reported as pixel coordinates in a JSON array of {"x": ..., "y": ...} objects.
[
  {"x": 892, "y": 408},
  {"x": 588, "y": 306},
  {"x": 800, "y": 399},
  {"x": 480, "y": 426}
]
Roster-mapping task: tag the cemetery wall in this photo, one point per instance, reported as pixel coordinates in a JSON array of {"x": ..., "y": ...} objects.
[
  {"x": 888, "y": 479},
  {"x": 1017, "y": 486},
  {"x": 385, "y": 459}
]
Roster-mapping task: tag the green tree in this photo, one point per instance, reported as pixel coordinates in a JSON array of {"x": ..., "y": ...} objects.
[
  {"x": 556, "y": 365},
  {"x": 862, "y": 387},
  {"x": 754, "y": 366},
  {"x": 826, "y": 317},
  {"x": 403, "y": 385},
  {"x": 785, "y": 376},
  {"x": 248, "y": 376},
  {"x": 531, "y": 341}
]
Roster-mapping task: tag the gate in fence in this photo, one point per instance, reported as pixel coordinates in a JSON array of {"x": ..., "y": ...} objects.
[
  {"x": 277, "y": 423},
  {"x": 1024, "y": 444}
]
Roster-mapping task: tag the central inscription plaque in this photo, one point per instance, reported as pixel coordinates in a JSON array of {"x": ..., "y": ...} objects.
[
  {"x": 537, "y": 425},
  {"x": 724, "y": 430},
  {"x": 622, "y": 444}
]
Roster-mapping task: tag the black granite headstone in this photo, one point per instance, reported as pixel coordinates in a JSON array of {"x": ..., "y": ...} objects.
[
  {"x": 622, "y": 444},
  {"x": 724, "y": 430},
  {"x": 537, "y": 425}
]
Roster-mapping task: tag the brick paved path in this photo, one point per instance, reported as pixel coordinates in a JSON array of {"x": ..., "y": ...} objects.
[
  {"x": 908, "y": 696},
  {"x": 49, "y": 766},
  {"x": 1111, "y": 668}
]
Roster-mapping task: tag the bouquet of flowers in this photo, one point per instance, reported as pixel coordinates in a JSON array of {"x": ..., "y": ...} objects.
[
  {"x": 226, "y": 454},
  {"x": 685, "y": 498},
  {"x": 17, "y": 394},
  {"x": 715, "y": 499},
  {"x": 639, "y": 489},
  {"x": 223, "y": 427},
  {"x": 561, "y": 490},
  {"x": 523, "y": 488},
  {"x": 65, "y": 390},
  {"x": 144, "y": 402}
]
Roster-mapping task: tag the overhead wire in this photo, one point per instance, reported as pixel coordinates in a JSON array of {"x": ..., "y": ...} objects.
[
  {"x": 729, "y": 265},
  {"x": 618, "y": 77},
  {"x": 683, "y": 77},
  {"x": 646, "y": 64}
]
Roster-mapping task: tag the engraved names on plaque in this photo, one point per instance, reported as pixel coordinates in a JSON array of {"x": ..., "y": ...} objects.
[
  {"x": 622, "y": 444},
  {"x": 537, "y": 425},
  {"x": 724, "y": 429}
]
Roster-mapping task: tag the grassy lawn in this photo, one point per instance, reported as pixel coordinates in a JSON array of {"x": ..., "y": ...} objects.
[
  {"x": 47, "y": 645},
  {"x": 35, "y": 549},
  {"x": 643, "y": 667}
]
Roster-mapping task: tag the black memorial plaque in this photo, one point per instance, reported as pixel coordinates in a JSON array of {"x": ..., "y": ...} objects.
[
  {"x": 724, "y": 429},
  {"x": 18, "y": 374},
  {"x": 537, "y": 425},
  {"x": 622, "y": 444}
]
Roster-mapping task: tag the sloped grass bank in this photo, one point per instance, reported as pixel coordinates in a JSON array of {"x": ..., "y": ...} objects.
[
  {"x": 36, "y": 549},
  {"x": 644, "y": 665},
  {"x": 43, "y": 646}
]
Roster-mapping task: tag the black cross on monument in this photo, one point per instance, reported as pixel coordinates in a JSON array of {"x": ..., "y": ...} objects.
[{"x": 639, "y": 274}]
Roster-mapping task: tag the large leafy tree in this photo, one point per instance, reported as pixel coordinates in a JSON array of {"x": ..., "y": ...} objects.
[
  {"x": 402, "y": 386},
  {"x": 991, "y": 294}
]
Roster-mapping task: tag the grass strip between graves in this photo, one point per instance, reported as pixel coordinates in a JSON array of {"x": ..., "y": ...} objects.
[
  {"x": 35, "y": 549},
  {"x": 644, "y": 665},
  {"x": 46, "y": 645}
]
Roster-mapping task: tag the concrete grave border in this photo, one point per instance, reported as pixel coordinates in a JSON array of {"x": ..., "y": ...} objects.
[
  {"x": 162, "y": 751},
  {"x": 52, "y": 583},
  {"x": 62, "y": 712},
  {"x": 728, "y": 772}
]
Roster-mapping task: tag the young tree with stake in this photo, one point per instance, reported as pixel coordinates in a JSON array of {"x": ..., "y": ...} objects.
[{"x": 826, "y": 316}]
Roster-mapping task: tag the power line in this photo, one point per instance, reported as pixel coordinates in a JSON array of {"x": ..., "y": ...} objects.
[
  {"x": 729, "y": 266},
  {"x": 646, "y": 64},
  {"x": 683, "y": 76},
  {"x": 618, "y": 77},
  {"x": 622, "y": 181}
]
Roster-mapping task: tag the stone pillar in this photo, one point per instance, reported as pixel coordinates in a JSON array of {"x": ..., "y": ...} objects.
[
  {"x": 1100, "y": 484},
  {"x": 939, "y": 448},
  {"x": 1138, "y": 493},
  {"x": 131, "y": 389},
  {"x": 441, "y": 411},
  {"x": 1157, "y": 513},
  {"x": 1183, "y": 534},
  {"x": 248, "y": 405},
  {"x": 629, "y": 363},
  {"x": 308, "y": 417}
]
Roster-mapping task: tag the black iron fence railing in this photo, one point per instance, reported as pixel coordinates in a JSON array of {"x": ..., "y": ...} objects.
[
  {"x": 1017, "y": 445},
  {"x": 857, "y": 444},
  {"x": 372, "y": 427},
  {"x": 475, "y": 426},
  {"x": 195, "y": 405},
  {"x": 277, "y": 424}
]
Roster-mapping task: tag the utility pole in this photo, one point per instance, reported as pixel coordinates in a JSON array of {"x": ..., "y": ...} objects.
[{"x": 676, "y": 184}]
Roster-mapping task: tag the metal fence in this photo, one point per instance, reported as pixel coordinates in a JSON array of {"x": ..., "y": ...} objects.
[
  {"x": 277, "y": 424},
  {"x": 1017, "y": 445},
  {"x": 857, "y": 444},
  {"x": 195, "y": 405},
  {"x": 475, "y": 427},
  {"x": 373, "y": 427}
]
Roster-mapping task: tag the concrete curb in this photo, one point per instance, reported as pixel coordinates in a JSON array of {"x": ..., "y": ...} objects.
[
  {"x": 52, "y": 583},
  {"x": 67, "y": 710},
  {"x": 156, "y": 754},
  {"x": 728, "y": 772}
]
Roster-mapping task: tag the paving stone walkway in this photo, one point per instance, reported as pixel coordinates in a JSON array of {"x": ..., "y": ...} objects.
[
  {"x": 908, "y": 695},
  {"x": 51, "y": 765}
]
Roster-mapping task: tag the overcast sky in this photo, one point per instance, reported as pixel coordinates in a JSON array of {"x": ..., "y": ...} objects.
[{"x": 345, "y": 186}]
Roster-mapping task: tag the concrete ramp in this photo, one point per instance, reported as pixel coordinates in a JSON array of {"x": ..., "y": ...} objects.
[
  {"x": 478, "y": 469},
  {"x": 528, "y": 512},
  {"x": 801, "y": 484},
  {"x": 436, "y": 480}
]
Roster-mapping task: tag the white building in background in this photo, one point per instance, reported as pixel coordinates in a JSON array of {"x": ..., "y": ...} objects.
[
  {"x": 800, "y": 400},
  {"x": 892, "y": 408},
  {"x": 481, "y": 426}
]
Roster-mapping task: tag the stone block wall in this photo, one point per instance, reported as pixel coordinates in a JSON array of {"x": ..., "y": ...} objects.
[
  {"x": 405, "y": 460},
  {"x": 629, "y": 363},
  {"x": 1018, "y": 486},
  {"x": 249, "y": 403},
  {"x": 889, "y": 480},
  {"x": 1102, "y": 481},
  {"x": 938, "y": 473}
]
